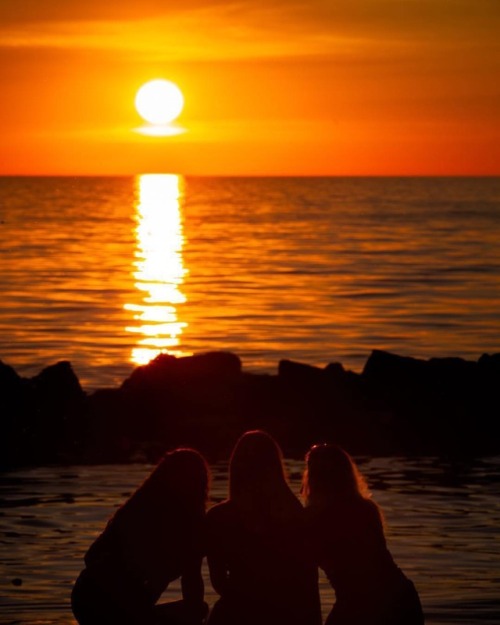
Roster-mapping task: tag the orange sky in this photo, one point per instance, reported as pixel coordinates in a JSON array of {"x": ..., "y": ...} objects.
[{"x": 296, "y": 87}]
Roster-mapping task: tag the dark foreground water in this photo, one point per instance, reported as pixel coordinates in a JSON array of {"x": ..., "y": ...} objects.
[
  {"x": 443, "y": 528},
  {"x": 107, "y": 272}
]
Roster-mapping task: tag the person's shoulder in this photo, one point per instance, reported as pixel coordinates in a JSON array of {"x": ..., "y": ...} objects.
[
  {"x": 371, "y": 512},
  {"x": 220, "y": 507},
  {"x": 370, "y": 507},
  {"x": 221, "y": 519},
  {"x": 219, "y": 512},
  {"x": 319, "y": 520},
  {"x": 309, "y": 513}
]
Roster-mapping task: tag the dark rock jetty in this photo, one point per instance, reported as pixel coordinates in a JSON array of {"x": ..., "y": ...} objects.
[{"x": 396, "y": 405}]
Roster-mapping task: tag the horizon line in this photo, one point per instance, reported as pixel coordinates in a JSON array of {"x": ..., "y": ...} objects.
[{"x": 253, "y": 175}]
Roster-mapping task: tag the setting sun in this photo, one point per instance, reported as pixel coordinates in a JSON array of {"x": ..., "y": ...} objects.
[
  {"x": 159, "y": 101},
  {"x": 302, "y": 88}
]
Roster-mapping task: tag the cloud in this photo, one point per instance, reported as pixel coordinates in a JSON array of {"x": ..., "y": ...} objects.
[
  {"x": 197, "y": 30},
  {"x": 48, "y": 11},
  {"x": 230, "y": 32}
]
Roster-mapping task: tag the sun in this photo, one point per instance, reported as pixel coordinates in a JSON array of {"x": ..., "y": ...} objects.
[{"x": 159, "y": 102}]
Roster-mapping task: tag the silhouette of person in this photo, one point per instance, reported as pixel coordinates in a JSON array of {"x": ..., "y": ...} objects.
[
  {"x": 256, "y": 552},
  {"x": 155, "y": 537},
  {"x": 346, "y": 531}
]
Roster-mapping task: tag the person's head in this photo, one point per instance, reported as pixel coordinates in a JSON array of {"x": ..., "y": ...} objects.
[
  {"x": 331, "y": 476},
  {"x": 160, "y": 519},
  {"x": 179, "y": 482},
  {"x": 183, "y": 475},
  {"x": 256, "y": 467}
]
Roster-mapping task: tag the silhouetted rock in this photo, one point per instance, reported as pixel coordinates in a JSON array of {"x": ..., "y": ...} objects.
[
  {"x": 12, "y": 411},
  {"x": 489, "y": 366},
  {"x": 165, "y": 370},
  {"x": 9, "y": 379},
  {"x": 327, "y": 404},
  {"x": 113, "y": 428},
  {"x": 384, "y": 368},
  {"x": 436, "y": 406},
  {"x": 396, "y": 405},
  {"x": 299, "y": 372},
  {"x": 58, "y": 384},
  {"x": 11, "y": 385},
  {"x": 41, "y": 420},
  {"x": 181, "y": 401},
  {"x": 489, "y": 399}
]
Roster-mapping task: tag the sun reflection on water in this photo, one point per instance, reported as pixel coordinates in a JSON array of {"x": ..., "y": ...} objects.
[{"x": 158, "y": 267}]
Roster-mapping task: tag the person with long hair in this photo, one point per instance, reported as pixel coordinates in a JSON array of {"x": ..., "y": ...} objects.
[
  {"x": 256, "y": 551},
  {"x": 154, "y": 538},
  {"x": 346, "y": 532}
]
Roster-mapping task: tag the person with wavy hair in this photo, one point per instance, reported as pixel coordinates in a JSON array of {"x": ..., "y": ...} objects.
[
  {"x": 154, "y": 538},
  {"x": 346, "y": 534},
  {"x": 256, "y": 551}
]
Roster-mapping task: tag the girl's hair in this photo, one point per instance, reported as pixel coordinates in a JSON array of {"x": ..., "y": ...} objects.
[
  {"x": 180, "y": 480},
  {"x": 257, "y": 479},
  {"x": 161, "y": 512},
  {"x": 331, "y": 475}
]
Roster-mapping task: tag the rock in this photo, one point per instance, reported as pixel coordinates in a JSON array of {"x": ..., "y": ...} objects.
[
  {"x": 437, "y": 406},
  {"x": 397, "y": 404},
  {"x": 169, "y": 402},
  {"x": 165, "y": 370},
  {"x": 489, "y": 366},
  {"x": 58, "y": 384},
  {"x": 183, "y": 387},
  {"x": 453, "y": 375},
  {"x": 488, "y": 410},
  {"x": 9, "y": 379},
  {"x": 11, "y": 395},
  {"x": 219, "y": 365},
  {"x": 292, "y": 371},
  {"x": 54, "y": 404},
  {"x": 384, "y": 367}
]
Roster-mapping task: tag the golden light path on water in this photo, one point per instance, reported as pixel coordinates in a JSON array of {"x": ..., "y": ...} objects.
[{"x": 158, "y": 267}]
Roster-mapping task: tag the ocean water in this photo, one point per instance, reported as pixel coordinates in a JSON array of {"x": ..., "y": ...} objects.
[
  {"x": 107, "y": 272},
  {"x": 442, "y": 521}
]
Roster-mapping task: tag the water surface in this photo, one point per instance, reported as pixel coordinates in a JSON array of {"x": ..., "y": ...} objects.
[{"x": 106, "y": 272}]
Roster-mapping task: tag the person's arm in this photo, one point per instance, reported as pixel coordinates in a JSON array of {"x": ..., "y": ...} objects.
[
  {"x": 218, "y": 572},
  {"x": 217, "y": 565},
  {"x": 192, "y": 585},
  {"x": 192, "y": 582}
]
